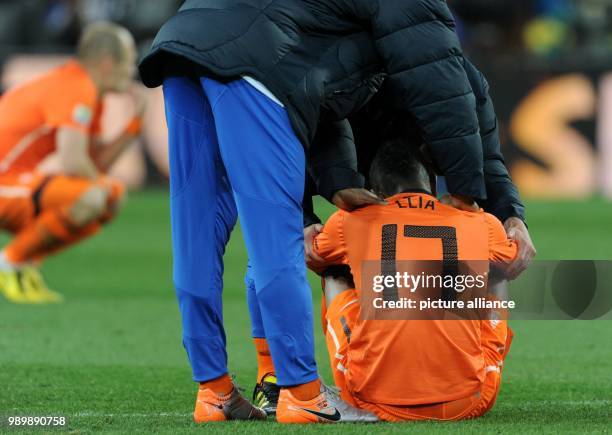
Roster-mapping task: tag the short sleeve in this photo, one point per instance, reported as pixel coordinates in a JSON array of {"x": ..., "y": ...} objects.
[
  {"x": 71, "y": 105},
  {"x": 329, "y": 243},
  {"x": 501, "y": 249}
]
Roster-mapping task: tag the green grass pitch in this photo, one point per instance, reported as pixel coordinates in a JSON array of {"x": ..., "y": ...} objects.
[{"x": 110, "y": 358}]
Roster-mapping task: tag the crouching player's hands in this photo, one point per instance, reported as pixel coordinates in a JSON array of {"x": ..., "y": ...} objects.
[
  {"x": 350, "y": 199},
  {"x": 517, "y": 231},
  {"x": 140, "y": 99}
]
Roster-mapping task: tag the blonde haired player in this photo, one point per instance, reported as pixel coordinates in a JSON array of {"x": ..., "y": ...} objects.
[{"x": 60, "y": 113}]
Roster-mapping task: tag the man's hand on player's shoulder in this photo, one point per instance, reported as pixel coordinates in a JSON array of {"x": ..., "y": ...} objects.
[
  {"x": 460, "y": 202},
  {"x": 350, "y": 199},
  {"x": 517, "y": 231}
]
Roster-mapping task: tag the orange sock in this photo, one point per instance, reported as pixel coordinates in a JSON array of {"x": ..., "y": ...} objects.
[
  {"x": 46, "y": 231},
  {"x": 51, "y": 232},
  {"x": 264, "y": 359},
  {"x": 222, "y": 385},
  {"x": 75, "y": 237},
  {"x": 307, "y": 391}
]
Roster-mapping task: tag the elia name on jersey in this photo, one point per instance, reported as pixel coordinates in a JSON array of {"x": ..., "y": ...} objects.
[{"x": 416, "y": 202}]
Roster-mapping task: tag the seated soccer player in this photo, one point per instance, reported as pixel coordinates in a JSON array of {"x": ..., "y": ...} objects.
[
  {"x": 60, "y": 113},
  {"x": 411, "y": 369}
]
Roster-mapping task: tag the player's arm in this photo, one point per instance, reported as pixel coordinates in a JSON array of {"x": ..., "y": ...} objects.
[
  {"x": 73, "y": 152},
  {"x": 106, "y": 154},
  {"x": 312, "y": 223},
  {"x": 332, "y": 165},
  {"x": 332, "y": 173},
  {"x": 502, "y": 250},
  {"x": 503, "y": 199},
  {"x": 329, "y": 244}
]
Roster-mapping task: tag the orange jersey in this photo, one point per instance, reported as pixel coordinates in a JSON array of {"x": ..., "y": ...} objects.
[
  {"x": 31, "y": 113},
  {"x": 412, "y": 362}
]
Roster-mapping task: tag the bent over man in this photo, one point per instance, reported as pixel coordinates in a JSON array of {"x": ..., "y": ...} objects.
[{"x": 247, "y": 85}]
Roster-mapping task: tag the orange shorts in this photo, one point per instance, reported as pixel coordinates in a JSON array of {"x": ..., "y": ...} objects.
[
  {"x": 338, "y": 322},
  {"x": 24, "y": 196}
]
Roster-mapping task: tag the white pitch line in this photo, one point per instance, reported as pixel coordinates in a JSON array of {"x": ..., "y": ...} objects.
[
  {"x": 598, "y": 402},
  {"x": 95, "y": 414},
  {"x": 128, "y": 415}
]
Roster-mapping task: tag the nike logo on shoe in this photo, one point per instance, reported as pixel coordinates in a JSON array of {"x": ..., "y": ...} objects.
[{"x": 328, "y": 417}]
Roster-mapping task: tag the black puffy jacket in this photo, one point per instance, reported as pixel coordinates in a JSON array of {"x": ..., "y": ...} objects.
[
  {"x": 323, "y": 59},
  {"x": 333, "y": 154}
]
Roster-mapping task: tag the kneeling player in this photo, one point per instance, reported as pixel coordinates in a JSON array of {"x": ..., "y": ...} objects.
[
  {"x": 411, "y": 369},
  {"x": 60, "y": 112}
]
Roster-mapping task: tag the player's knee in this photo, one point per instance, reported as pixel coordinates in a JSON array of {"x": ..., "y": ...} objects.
[
  {"x": 198, "y": 300},
  {"x": 116, "y": 198},
  {"x": 90, "y": 206},
  {"x": 118, "y": 192}
]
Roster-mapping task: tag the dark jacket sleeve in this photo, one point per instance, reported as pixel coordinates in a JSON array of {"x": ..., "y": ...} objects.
[
  {"x": 310, "y": 190},
  {"x": 420, "y": 50},
  {"x": 332, "y": 159},
  {"x": 503, "y": 199}
]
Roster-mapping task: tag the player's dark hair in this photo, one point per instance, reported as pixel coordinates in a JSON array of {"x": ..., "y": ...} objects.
[{"x": 398, "y": 167}]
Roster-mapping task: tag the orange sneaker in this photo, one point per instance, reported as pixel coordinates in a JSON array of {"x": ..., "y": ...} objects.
[
  {"x": 327, "y": 407},
  {"x": 211, "y": 406}
]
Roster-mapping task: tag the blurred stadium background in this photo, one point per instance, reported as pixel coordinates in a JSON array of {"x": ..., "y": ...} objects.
[
  {"x": 549, "y": 63},
  {"x": 110, "y": 357}
]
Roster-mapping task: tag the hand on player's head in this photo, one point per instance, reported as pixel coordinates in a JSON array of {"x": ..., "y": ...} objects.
[
  {"x": 140, "y": 98},
  {"x": 109, "y": 52},
  {"x": 123, "y": 70}
]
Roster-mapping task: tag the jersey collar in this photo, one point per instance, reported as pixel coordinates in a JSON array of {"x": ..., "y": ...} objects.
[{"x": 411, "y": 192}]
